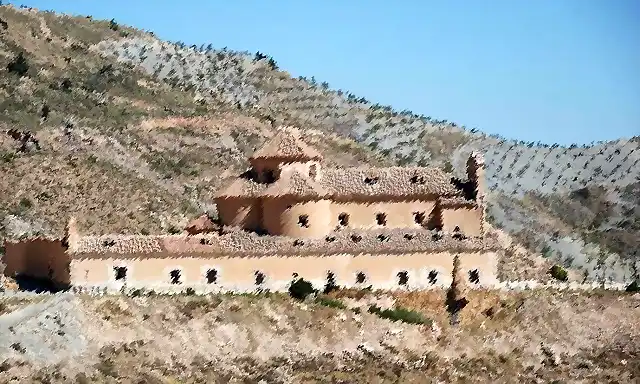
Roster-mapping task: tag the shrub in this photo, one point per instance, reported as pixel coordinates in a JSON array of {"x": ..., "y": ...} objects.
[
  {"x": 331, "y": 303},
  {"x": 300, "y": 289},
  {"x": 399, "y": 314},
  {"x": 190, "y": 291},
  {"x": 19, "y": 65},
  {"x": 558, "y": 273},
  {"x": 633, "y": 287}
]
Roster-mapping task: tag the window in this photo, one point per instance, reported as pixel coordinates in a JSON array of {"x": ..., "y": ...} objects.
[
  {"x": 120, "y": 272},
  {"x": 474, "y": 276},
  {"x": 303, "y": 221},
  {"x": 456, "y": 229},
  {"x": 415, "y": 179},
  {"x": 408, "y": 236},
  {"x": 174, "y": 276},
  {"x": 361, "y": 277},
  {"x": 356, "y": 238},
  {"x": 212, "y": 276},
  {"x": 403, "y": 278},
  {"x": 343, "y": 219},
  {"x": 371, "y": 180},
  {"x": 298, "y": 243},
  {"x": 433, "y": 277},
  {"x": 259, "y": 277},
  {"x": 419, "y": 217},
  {"x": 381, "y": 219},
  {"x": 109, "y": 243},
  {"x": 383, "y": 238},
  {"x": 330, "y": 239}
]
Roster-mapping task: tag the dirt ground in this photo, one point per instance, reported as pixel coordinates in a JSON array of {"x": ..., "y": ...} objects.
[{"x": 531, "y": 336}]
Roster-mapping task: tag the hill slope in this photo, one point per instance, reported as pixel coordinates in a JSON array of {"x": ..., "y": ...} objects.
[{"x": 135, "y": 135}]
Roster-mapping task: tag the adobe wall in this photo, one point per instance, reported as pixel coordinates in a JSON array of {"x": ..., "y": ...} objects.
[
  {"x": 239, "y": 212},
  {"x": 399, "y": 214},
  {"x": 36, "y": 257},
  {"x": 277, "y": 165},
  {"x": 238, "y": 273},
  {"x": 468, "y": 219},
  {"x": 280, "y": 217}
]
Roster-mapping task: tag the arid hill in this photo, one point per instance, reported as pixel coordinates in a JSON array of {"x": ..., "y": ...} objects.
[{"x": 133, "y": 134}]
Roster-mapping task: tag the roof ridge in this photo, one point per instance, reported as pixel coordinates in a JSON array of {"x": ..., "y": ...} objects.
[{"x": 297, "y": 184}]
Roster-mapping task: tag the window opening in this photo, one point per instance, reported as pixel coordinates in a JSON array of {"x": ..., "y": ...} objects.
[
  {"x": 433, "y": 277},
  {"x": 474, "y": 276},
  {"x": 371, "y": 180},
  {"x": 269, "y": 176},
  {"x": 408, "y": 236},
  {"x": 330, "y": 239},
  {"x": 259, "y": 277},
  {"x": 381, "y": 219},
  {"x": 403, "y": 278},
  {"x": 360, "y": 277},
  {"x": 419, "y": 217},
  {"x": 343, "y": 219},
  {"x": 175, "y": 276},
  {"x": 303, "y": 221},
  {"x": 356, "y": 238},
  {"x": 120, "y": 272},
  {"x": 298, "y": 243},
  {"x": 383, "y": 238},
  {"x": 212, "y": 276},
  {"x": 109, "y": 243}
]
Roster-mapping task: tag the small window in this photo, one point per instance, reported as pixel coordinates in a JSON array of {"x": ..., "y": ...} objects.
[
  {"x": 361, "y": 277},
  {"x": 330, "y": 239},
  {"x": 474, "y": 276},
  {"x": 356, "y": 238},
  {"x": 383, "y": 238},
  {"x": 436, "y": 236},
  {"x": 403, "y": 278},
  {"x": 303, "y": 221},
  {"x": 109, "y": 243},
  {"x": 212, "y": 276},
  {"x": 259, "y": 277},
  {"x": 433, "y": 277},
  {"x": 419, "y": 217},
  {"x": 294, "y": 275},
  {"x": 381, "y": 219},
  {"x": 120, "y": 272},
  {"x": 343, "y": 219},
  {"x": 371, "y": 180},
  {"x": 415, "y": 179},
  {"x": 456, "y": 229},
  {"x": 408, "y": 236},
  {"x": 298, "y": 243},
  {"x": 175, "y": 276}
]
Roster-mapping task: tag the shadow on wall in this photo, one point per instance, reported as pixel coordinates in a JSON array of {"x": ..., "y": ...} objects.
[{"x": 39, "y": 285}]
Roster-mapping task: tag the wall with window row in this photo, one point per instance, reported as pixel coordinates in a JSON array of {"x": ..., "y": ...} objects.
[
  {"x": 312, "y": 219},
  {"x": 416, "y": 270}
]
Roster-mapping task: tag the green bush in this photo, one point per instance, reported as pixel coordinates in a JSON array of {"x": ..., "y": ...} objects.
[
  {"x": 399, "y": 314},
  {"x": 558, "y": 273},
  {"x": 633, "y": 287},
  {"x": 331, "y": 303},
  {"x": 300, "y": 289}
]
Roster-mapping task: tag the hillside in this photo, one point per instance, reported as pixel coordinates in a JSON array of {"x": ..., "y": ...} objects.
[
  {"x": 530, "y": 337},
  {"x": 135, "y": 134}
]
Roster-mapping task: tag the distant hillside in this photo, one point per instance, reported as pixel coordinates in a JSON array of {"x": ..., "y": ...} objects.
[{"x": 136, "y": 134}]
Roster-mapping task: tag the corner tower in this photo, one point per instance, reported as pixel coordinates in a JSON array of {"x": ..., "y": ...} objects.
[{"x": 475, "y": 174}]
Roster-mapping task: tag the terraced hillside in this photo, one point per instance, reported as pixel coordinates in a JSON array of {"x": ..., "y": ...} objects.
[{"x": 135, "y": 134}]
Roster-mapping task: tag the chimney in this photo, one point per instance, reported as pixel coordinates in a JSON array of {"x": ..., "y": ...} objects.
[
  {"x": 72, "y": 236},
  {"x": 475, "y": 173}
]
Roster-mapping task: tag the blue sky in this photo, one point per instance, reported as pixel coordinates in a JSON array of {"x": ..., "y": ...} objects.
[{"x": 551, "y": 70}]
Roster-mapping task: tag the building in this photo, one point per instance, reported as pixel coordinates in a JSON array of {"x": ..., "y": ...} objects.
[{"x": 289, "y": 216}]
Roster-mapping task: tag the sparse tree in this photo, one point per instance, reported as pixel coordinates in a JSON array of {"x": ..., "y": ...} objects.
[{"x": 19, "y": 65}]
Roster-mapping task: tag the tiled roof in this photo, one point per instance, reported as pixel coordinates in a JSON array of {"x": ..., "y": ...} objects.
[
  {"x": 391, "y": 181},
  {"x": 240, "y": 243},
  {"x": 241, "y": 187},
  {"x": 294, "y": 184},
  {"x": 287, "y": 145}
]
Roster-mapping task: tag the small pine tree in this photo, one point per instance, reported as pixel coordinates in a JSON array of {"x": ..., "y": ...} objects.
[
  {"x": 19, "y": 65},
  {"x": 113, "y": 25}
]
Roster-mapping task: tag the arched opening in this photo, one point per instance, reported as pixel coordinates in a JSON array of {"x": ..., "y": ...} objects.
[
  {"x": 381, "y": 219},
  {"x": 474, "y": 276},
  {"x": 175, "y": 276},
  {"x": 360, "y": 278},
  {"x": 403, "y": 278},
  {"x": 260, "y": 277},
  {"x": 419, "y": 217},
  {"x": 303, "y": 221},
  {"x": 120, "y": 273},
  {"x": 212, "y": 276},
  {"x": 343, "y": 219},
  {"x": 433, "y": 277}
]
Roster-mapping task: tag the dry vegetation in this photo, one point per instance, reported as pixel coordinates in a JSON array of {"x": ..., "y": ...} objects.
[{"x": 533, "y": 336}]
